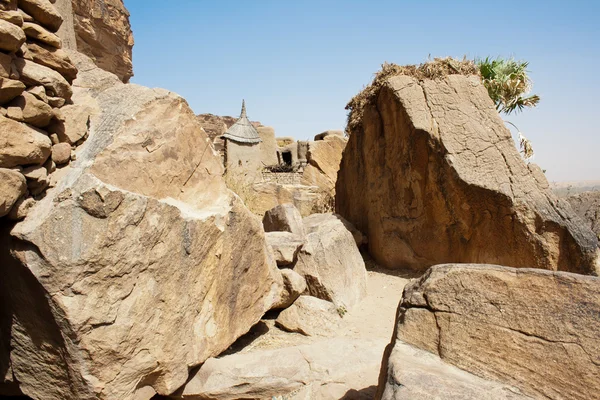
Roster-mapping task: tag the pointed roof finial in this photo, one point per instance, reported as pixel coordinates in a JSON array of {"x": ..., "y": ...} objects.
[{"x": 243, "y": 109}]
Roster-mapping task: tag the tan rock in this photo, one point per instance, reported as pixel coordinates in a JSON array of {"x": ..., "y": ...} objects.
[
  {"x": 268, "y": 145},
  {"x": 54, "y": 58},
  {"x": 285, "y": 246},
  {"x": 12, "y": 16},
  {"x": 37, "y": 179},
  {"x": 61, "y": 153},
  {"x": 139, "y": 236},
  {"x": 284, "y": 218},
  {"x": 266, "y": 195},
  {"x": 587, "y": 206},
  {"x": 21, "y": 208},
  {"x": 9, "y": 89},
  {"x": 43, "y": 12},
  {"x": 331, "y": 263},
  {"x": 415, "y": 374},
  {"x": 26, "y": 17},
  {"x": 8, "y": 5},
  {"x": 323, "y": 135},
  {"x": 35, "y": 111},
  {"x": 11, "y": 36},
  {"x": 33, "y": 74},
  {"x": 325, "y": 369},
  {"x": 36, "y": 32},
  {"x": 310, "y": 316},
  {"x": 21, "y": 144},
  {"x": 101, "y": 31},
  {"x": 56, "y": 101},
  {"x": 533, "y": 329},
  {"x": 5, "y": 65},
  {"x": 39, "y": 92},
  {"x": 12, "y": 187},
  {"x": 431, "y": 175},
  {"x": 293, "y": 286}
]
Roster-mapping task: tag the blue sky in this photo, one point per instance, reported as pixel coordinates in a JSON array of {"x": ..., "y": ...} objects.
[{"x": 298, "y": 63}]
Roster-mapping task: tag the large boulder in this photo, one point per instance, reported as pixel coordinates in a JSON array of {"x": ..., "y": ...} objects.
[
  {"x": 43, "y": 11},
  {"x": 100, "y": 30},
  {"x": 331, "y": 263},
  {"x": 139, "y": 264},
  {"x": 285, "y": 246},
  {"x": 310, "y": 316},
  {"x": 324, "y": 157},
  {"x": 587, "y": 206},
  {"x": 325, "y": 369},
  {"x": 431, "y": 175},
  {"x": 534, "y": 329},
  {"x": 415, "y": 374}
]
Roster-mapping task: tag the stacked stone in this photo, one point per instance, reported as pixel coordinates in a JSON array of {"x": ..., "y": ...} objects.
[{"x": 35, "y": 83}]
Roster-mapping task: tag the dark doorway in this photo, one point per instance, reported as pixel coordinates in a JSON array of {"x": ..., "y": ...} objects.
[{"x": 287, "y": 157}]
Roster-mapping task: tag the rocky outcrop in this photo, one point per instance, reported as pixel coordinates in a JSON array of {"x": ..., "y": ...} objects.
[
  {"x": 139, "y": 264},
  {"x": 326, "y": 369},
  {"x": 100, "y": 30},
  {"x": 331, "y": 263},
  {"x": 310, "y": 316},
  {"x": 431, "y": 175},
  {"x": 284, "y": 218},
  {"x": 285, "y": 246},
  {"x": 533, "y": 329},
  {"x": 587, "y": 206}
]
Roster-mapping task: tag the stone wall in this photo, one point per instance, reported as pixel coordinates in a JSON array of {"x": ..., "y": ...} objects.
[
  {"x": 35, "y": 92},
  {"x": 282, "y": 178}
]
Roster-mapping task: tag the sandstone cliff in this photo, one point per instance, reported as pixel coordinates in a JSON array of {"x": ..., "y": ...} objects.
[
  {"x": 101, "y": 30},
  {"x": 431, "y": 175}
]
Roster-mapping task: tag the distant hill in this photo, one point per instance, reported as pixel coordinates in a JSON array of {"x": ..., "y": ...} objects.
[{"x": 564, "y": 189}]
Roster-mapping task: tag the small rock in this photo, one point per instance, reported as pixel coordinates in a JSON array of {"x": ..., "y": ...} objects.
[
  {"x": 11, "y": 36},
  {"x": 293, "y": 286},
  {"x": 61, "y": 153},
  {"x": 310, "y": 316},
  {"x": 13, "y": 16},
  {"x": 37, "y": 179},
  {"x": 9, "y": 89},
  {"x": 36, "y": 32},
  {"x": 39, "y": 92},
  {"x": 35, "y": 111},
  {"x": 284, "y": 218},
  {"x": 12, "y": 187},
  {"x": 21, "y": 208}
]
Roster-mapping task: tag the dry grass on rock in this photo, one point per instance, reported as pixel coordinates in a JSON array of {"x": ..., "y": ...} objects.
[{"x": 437, "y": 69}]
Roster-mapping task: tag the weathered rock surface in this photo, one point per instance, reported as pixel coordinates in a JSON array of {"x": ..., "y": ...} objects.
[
  {"x": 310, "y": 316},
  {"x": 100, "y": 30},
  {"x": 415, "y": 374},
  {"x": 266, "y": 195},
  {"x": 331, "y": 263},
  {"x": 57, "y": 59},
  {"x": 21, "y": 144},
  {"x": 324, "y": 157},
  {"x": 431, "y": 175},
  {"x": 139, "y": 236},
  {"x": 12, "y": 187},
  {"x": 36, "y": 32},
  {"x": 11, "y": 36},
  {"x": 587, "y": 206},
  {"x": 285, "y": 246},
  {"x": 293, "y": 286},
  {"x": 326, "y": 369},
  {"x": 284, "y": 218},
  {"x": 35, "y": 112},
  {"x": 33, "y": 74},
  {"x": 9, "y": 89},
  {"x": 43, "y": 12},
  {"x": 533, "y": 329}
]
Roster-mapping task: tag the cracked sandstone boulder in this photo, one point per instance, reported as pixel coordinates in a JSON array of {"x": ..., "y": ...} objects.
[
  {"x": 139, "y": 265},
  {"x": 431, "y": 175},
  {"x": 533, "y": 329}
]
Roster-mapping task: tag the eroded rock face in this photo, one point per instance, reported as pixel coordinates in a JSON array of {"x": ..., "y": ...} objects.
[
  {"x": 100, "y": 30},
  {"x": 533, "y": 329},
  {"x": 324, "y": 157},
  {"x": 587, "y": 206},
  {"x": 431, "y": 175},
  {"x": 139, "y": 264}
]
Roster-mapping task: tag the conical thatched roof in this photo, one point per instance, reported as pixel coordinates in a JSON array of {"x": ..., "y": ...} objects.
[{"x": 243, "y": 131}]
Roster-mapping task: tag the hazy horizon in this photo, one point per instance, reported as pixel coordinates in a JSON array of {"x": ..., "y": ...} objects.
[{"x": 298, "y": 64}]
